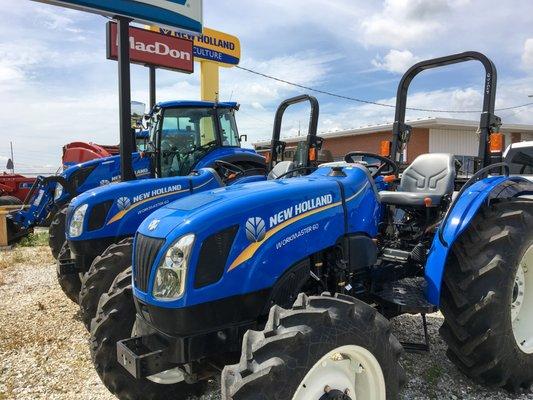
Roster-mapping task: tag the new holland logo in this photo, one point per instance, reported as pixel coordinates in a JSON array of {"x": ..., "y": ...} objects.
[
  {"x": 123, "y": 203},
  {"x": 255, "y": 229},
  {"x": 153, "y": 224}
]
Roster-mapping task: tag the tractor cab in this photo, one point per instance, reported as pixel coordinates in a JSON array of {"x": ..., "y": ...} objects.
[{"x": 186, "y": 135}]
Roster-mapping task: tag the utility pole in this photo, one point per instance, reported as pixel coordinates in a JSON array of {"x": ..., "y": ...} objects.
[
  {"x": 126, "y": 134},
  {"x": 12, "y": 159},
  {"x": 151, "y": 68}
]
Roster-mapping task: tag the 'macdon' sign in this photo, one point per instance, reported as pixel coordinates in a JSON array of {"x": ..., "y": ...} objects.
[{"x": 152, "y": 48}]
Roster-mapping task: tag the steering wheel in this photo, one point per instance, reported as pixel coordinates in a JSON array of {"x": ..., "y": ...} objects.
[
  {"x": 378, "y": 167},
  {"x": 229, "y": 170}
]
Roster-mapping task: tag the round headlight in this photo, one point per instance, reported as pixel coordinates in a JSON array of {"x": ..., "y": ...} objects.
[
  {"x": 175, "y": 257},
  {"x": 169, "y": 281},
  {"x": 58, "y": 191},
  {"x": 75, "y": 228}
]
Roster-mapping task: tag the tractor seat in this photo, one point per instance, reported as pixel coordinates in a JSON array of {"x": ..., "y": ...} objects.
[
  {"x": 429, "y": 176},
  {"x": 281, "y": 168}
]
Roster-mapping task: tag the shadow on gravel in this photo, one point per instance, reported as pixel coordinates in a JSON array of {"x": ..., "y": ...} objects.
[{"x": 431, "y": 375}]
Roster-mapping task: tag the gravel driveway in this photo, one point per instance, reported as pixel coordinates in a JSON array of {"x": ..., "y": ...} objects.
[{"x": 44, "y": 352}]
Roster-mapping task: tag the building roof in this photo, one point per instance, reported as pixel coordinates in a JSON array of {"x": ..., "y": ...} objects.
[{"x": 447, "y": 123}]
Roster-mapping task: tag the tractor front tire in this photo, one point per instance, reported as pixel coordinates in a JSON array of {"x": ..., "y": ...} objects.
[
  {"x": 103, "y": 271},
  {"x": 114, "y": 321},
  {"x": 485, "y": 282},
  {"x": 322, "y": 342},
  {"x": 10, "y": 201},
  {"x": 70, "y": 283},
  {"x": 56, "y": 231}
]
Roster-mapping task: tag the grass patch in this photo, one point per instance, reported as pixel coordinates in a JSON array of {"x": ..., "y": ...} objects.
[
  {"x": 32, "y": 256},
  {"x": 34, "y": 239},
  {"x": 433, "y": 374}
]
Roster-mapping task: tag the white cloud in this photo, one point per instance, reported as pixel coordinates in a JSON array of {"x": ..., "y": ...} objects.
[
  {"x": 404, "y": 22},
  {"x": 527, "y": 55},
  {"x": 396, "y": 61}
]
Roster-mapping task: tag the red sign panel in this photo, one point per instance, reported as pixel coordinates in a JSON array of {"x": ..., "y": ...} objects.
[{"x": 152, "y": 48}]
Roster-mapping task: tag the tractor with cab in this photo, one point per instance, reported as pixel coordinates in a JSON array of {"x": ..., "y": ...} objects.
[{"x": 288, "y": 285}]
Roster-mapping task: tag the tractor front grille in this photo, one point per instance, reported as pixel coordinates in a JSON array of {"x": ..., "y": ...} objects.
[{"x": 146, "y": 249}]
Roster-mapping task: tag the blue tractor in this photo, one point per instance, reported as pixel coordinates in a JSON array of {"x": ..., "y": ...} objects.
[
  {"x": 48, "y": 198},
  {"x": 200, "y": 151},
  {"x": 300, "y": 276}
]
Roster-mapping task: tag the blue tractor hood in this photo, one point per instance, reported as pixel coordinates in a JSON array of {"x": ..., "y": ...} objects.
[
  {"x": 119, "y": 208},
  {"x": 213, "y": 208},
  {"x": 271, "y": 224},
  {"x": 235, "y": 204}
]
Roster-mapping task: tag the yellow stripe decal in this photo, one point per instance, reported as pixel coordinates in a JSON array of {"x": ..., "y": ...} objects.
[
  {"x": 249, "y": 251},
  {"x": 121, "y": 213}
]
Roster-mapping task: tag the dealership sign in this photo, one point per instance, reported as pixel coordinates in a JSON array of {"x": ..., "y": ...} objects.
[
  {"x": 213, "y": 45},
  {"x": 173, "y": 14},
  {"x": 152, "y": 48}
]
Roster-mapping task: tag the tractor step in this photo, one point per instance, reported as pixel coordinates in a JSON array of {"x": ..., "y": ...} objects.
[
  {"x": 405, "y": 296},
  {"x": 143, "y": 356}
]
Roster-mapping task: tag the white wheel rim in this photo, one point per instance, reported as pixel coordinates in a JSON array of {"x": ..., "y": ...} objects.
[
  {"x": 522, "y": 303},
  {"x": 351, "y": 368}
]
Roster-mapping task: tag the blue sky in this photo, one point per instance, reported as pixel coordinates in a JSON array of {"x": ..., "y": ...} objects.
[{"x": 56, "y": 85}]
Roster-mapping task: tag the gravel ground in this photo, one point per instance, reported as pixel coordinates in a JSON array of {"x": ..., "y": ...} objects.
[{"x": 44, "y": 350}]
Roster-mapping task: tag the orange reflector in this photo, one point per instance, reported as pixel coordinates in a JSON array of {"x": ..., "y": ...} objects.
[
  {"x": 389, "y": 178},
  {"x": 496, "y": 142},
  {"x": 312, "y": 154},
  {"x": 385, "y": 148},
  {"x": 427, "y": 201},
  {"x": 268, "y": 156}
]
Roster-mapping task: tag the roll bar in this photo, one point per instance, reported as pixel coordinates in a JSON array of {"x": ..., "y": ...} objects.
[
  {"x": 488, "y": 121},
  {"x": 277, "y": 145}
]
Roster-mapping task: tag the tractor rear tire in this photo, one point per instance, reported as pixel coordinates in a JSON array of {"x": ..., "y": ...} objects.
[
  {"x": 114, "y": 321},
  {"x": 479, "y": 294},
  {"x": 56, "y": 231},
  {"x": 103, "y": 271},
  {"x": 70, "y": 283},
  {"x": 278, "y": 362},
  {"x": 10, "y": 201}
]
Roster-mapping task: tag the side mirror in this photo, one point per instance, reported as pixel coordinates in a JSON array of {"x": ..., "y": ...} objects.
[
  {"x": 138, "y": 110},
  {"x": 243, "y": 138}
]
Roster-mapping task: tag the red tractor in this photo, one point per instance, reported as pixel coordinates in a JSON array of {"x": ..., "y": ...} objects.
[
  {"x": 78, "y": 152},
  {"x": 14, "y": 188}
]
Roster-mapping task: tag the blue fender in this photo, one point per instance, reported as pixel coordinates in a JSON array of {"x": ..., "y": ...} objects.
[{"x": 460, "y": 216}]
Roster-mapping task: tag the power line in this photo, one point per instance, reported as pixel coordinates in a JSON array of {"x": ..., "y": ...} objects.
[{"x": 375, "y": 103}]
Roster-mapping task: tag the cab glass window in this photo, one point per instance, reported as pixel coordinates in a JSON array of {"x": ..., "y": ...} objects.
[{"x": 228, "y": 128}]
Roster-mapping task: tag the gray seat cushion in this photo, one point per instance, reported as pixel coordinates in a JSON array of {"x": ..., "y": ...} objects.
[
  {"x": 281, "y": 168},
  {"x": 429, "y": 175}
]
